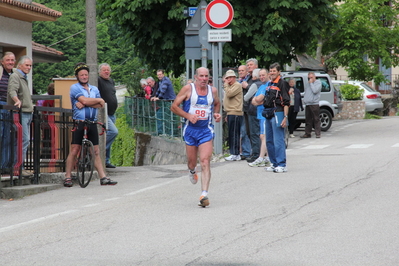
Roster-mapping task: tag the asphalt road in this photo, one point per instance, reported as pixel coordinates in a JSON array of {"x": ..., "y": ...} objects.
[{"x": 336, "y": 205}]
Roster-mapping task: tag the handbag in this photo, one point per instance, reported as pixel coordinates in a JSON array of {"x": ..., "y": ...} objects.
[{"x": 268, "y": 112}]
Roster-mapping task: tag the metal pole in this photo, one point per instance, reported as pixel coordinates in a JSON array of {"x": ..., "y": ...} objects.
[{"x": 218, "y": 142}]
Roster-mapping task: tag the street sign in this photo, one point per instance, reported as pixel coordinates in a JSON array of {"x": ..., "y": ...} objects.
[
  {"x": 191, "y": 11},
  {"x": 219, "y": 14},
  {"x": 219, "y": 35}
]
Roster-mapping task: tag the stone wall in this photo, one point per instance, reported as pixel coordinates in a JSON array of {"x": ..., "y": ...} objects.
[
  {"x": 352, "y": 110},
  {"x": 153, "y": 150}
]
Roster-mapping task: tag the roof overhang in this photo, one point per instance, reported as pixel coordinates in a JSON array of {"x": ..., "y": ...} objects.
[
  {"x": 44, "y": 54},
  {"x": 27, "y": 12}
]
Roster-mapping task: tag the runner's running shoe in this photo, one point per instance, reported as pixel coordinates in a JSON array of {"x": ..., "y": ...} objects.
[
  {"x": 204, "y": 201},
  {"x": 193, "y": 177},
  {"x": 257, "y": 162}
]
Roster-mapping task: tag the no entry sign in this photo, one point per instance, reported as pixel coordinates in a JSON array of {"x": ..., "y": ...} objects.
[{"x": 219, "y": 14}]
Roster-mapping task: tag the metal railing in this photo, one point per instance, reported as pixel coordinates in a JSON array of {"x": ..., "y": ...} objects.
[
  {"x": 48, "y": 149},
  {"x": 154, "y": 118}
]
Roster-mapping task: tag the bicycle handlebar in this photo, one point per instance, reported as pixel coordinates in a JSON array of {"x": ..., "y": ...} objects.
[{"x": 86, "y": 121}]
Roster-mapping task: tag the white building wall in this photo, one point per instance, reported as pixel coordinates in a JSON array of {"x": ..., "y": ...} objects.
[{"x": 17, "y": 33}]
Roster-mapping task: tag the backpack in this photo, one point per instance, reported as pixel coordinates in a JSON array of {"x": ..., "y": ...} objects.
[{"x": 272, "y": 93}]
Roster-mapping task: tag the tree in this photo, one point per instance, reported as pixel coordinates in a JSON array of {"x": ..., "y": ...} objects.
[
  {"x": 271, "y": 31},
  {"x": 67, "y": 35},
  {"x": 366, "y": 32}
]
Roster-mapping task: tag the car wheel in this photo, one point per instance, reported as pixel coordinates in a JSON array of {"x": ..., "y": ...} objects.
[{"x": 325, "y": 119}]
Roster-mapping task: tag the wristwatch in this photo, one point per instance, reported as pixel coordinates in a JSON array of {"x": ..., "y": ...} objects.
[{"x": 286, "y": 116}]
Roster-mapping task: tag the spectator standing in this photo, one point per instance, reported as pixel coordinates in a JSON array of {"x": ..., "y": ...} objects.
[
  {"x": 276, "y": 102},
  {"x": 200, "y": 103},
  {"x": 251, "y": 122},
  {"x": 295, "y": 106},
  {"x": 146, "y": 88},
  {"x": 311, "y": 99},
  {"x": 106, "y": 86},
  {"x": 6, "y": 69},
  {"x": 262, "y": 160},
  {"x": 165, "y": 91},
  {"x": 254, "y": 127},
  {"x": 85, "y": 99},
  {"x": 19, "y": 95},
  {"x": 232, "y": 103},
  {"x": 245, "y": 142}
]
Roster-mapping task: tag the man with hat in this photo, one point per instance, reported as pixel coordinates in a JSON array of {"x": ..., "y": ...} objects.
[
  {"x": 232, "y": 103},
  {"x": 85, "y": 100}
]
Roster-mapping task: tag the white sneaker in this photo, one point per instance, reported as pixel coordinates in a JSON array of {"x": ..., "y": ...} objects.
[
  {"x": 193, "y": 177},
  {"x": 280, "y": 169},
  {"x": 257, "y": 162},
  {"x": 292, "y": 136},
  {"x": 233, "y": 158},
  {"x": 270, "y": 168},
  {"x": 265, "y": 162}
]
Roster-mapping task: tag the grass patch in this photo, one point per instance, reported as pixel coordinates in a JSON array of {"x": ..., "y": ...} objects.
[{"x": 371, "y": 116}]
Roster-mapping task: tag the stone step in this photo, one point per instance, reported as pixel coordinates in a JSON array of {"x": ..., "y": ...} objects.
[{"x": 17, "y": 192}]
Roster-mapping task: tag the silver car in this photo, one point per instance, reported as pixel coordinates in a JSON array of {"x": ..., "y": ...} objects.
[{"x": 371, "y": 97}]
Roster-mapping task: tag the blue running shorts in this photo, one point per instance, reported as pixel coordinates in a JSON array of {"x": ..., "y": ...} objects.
[{"x": 195, "y": 136}]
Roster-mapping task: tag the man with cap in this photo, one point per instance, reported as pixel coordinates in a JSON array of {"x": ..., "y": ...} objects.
[
  {"x": 232, "y": 103},
  {"x": 85, "y": 99}
]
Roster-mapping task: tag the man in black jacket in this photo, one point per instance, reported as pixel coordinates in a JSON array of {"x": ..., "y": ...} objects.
[{"x": 106, "y": 86}]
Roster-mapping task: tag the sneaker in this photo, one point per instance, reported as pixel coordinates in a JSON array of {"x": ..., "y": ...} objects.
[
  {"x": 292, "y": 136},
  {"x": 305, "y": 136},
  {"x": 233, "y": 158},
  {"x": 106, "y": 181},
  {"x": 280, "y": 169},
  {"x": 265, "y": 162},
  {"x": 204, "y": 201},
  {"x": 193, "y": 177},
  {"x": 257, "y": 162},
  {"x": 270, "y": 168}
]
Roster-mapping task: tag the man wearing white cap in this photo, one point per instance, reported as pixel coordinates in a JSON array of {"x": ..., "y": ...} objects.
[{"x": 232, "y": 103}]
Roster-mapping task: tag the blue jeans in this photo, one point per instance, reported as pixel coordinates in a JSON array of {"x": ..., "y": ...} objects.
[
  {"x": 5, "y": 128},
  {"x": 112, "y": 132},
  {"x": 245, "y": 143},
  {"x": 275, "y": 143},
  {"x": 26, "y": 119}
]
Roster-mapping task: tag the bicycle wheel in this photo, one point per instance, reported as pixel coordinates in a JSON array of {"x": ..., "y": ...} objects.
[{"x": 85, "y": 164}]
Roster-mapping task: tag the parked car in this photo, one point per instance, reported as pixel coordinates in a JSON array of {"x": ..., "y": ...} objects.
[
  {"x": 330, "y": 97},
  {"x": 371, "y": 97}
]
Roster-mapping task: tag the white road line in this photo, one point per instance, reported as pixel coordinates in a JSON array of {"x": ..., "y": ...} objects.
[
  {"x": 315, "y": 147},
  {"x": 151, "y": 187},
  {"x": 359, "y": 146},
  {"x": 396, "y": 145},
  {"x": 14, "y": 226}
]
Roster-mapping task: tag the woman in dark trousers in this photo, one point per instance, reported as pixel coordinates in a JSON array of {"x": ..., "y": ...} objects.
[{"x": 295, "y": 105}]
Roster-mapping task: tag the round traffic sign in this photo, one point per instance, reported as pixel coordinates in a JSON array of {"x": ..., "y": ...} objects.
[{"x": 219, "y": 14}]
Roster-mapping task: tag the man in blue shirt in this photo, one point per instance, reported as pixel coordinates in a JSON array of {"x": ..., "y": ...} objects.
[
  {"x": 165, "y": 92},
  {"x": 85, "y": 100}
]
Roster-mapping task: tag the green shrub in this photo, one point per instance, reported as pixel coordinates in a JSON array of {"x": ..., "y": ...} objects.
[
  {"x": 124, "y": 147},
  {"x": 371, "y": 116},
  {"x": 351, "y": 92}
]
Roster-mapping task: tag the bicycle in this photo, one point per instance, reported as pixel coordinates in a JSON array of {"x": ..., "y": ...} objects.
[{"x": 86, "y": 157}]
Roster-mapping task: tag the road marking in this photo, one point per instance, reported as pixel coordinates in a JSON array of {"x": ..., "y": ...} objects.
[
  {"x": 315, "y": 147},
  {"x": 90, "y": 205},
  {"x": 151, "y": 187},
  {"x": 396, "y": 145},
  {"x": 15, "y": 226},
  {"x": 359, "y": 146},
  {"x": 111, "y": 199}
]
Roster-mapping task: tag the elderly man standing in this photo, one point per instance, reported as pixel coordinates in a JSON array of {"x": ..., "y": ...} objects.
[
  {"x": 19, "y": 95},
  {"x": 232, "y": 103},
  {"x": 6, "y": 69},
  {"x": 165, "y": 91},
  {"x": 106, "y": 86},
  {"x": 311, "y": 99},
  {"x": 245, "y": 143}
]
